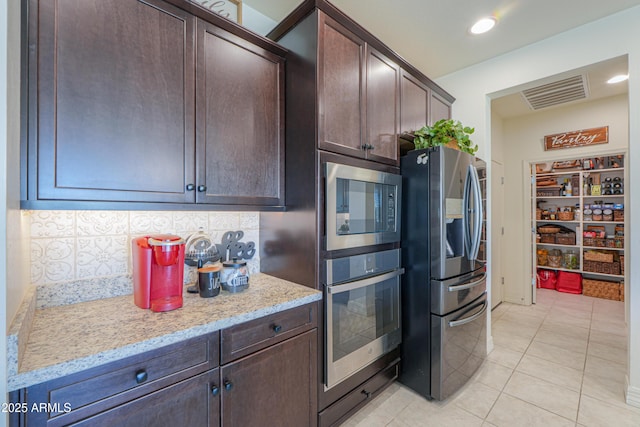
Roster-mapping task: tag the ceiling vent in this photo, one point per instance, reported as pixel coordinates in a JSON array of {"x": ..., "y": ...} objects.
[{"x": 556, "y": 93}]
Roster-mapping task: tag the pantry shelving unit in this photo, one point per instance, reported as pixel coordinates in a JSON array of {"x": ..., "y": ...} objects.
[{"x": 614, "y": 242}]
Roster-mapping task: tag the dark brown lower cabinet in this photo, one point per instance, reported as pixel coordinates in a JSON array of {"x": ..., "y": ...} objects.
[
  {"x": 188, "y": 403},
  {"x": 272, "y": 387}
]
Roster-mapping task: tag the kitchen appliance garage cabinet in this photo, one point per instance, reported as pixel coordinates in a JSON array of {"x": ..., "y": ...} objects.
[
  {"x": 263, "y": 369},
  {"x": 146, "y": 101}
]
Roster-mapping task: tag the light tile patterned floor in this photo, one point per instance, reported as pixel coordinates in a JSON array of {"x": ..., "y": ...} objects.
[{"x": 560, "y": 362}]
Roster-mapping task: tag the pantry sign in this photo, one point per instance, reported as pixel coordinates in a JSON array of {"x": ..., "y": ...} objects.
[{"x": 578, "y": 138}]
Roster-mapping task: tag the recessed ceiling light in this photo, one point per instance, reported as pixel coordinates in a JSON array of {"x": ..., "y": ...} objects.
[
  {"x": 483, "y": 25},
  {"x": 619, "y": 78}
]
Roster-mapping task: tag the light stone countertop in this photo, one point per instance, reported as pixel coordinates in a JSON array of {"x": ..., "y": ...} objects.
[{"x": 71, "y": 338}]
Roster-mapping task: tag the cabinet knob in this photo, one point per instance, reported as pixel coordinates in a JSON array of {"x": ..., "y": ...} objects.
[
  {"x": 141, "y": 376},
  {"x": 228, "y": 385},
  {"x": 191, "y": 187},
  {"x": 370, "y": 147},
  {"x": 365, "y": 147},
  {"x": 276, "y": 328},
  {"x": 215, "y": 390},
  {"x": 202, "y": 188}
]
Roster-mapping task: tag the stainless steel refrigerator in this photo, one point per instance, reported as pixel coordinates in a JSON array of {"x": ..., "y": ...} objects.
[{"x": 443, "y": 290}]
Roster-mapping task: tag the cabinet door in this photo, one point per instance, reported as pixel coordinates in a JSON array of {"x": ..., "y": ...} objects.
[
  {"x": 240, "y": 121},
  {"x": 192, "y": 402},
  {"x": 341, "y": 89},
  {"x": 383, "y": 106},
  {"x": 275, "y": 386},
  {"x": 440, "y": 109},
  {"x": 113, "y": 84},
  {"x": 414, "y": 104}
]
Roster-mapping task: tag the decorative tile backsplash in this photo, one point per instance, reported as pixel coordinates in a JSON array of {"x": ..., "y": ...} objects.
[{"x": 70, "y": 246}]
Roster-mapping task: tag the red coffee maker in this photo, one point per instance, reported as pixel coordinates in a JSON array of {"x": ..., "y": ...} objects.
[{"x": 158, "y": 270}]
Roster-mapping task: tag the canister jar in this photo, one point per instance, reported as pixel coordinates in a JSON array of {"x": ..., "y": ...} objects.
[
  {"x": 570, "y": 260},
  {"x": 235, "y": 275},
  {"x": 607, "y": 215},
  {"x": 597, "y": 214}
]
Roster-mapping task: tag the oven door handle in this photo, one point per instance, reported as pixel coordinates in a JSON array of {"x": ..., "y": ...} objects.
[
  {"x": 364, "y": 282},
  {"x": 469, "y": 285},
  {"x": 469, "y": 319}
]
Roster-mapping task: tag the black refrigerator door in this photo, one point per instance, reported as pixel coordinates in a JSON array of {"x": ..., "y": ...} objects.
[
  {"x": 458, "y": 347},
  {"x": 455, "y": 214}
]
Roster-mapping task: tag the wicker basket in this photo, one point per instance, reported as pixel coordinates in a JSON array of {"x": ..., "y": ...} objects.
[
  {"x": 621, "y": 264},
  {"x": 548, "y": 229},
  {"x": 547, "y": 238},
  {"x": 566, "y": 216},
  {"x": 601, "y": 289},
  {"x": 549, "y": 191},
  {"x": 598, "y": 256},
  {"x": 568, "y": 238},
  {"x": 602, "y": 267}
]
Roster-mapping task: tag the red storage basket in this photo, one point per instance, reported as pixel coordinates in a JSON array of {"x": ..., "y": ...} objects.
[
  {"x": 569, "y": 282},
  {"x": 546, "y": 279}
]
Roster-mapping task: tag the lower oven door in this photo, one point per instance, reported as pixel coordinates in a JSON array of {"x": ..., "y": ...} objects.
[
  {"x": 458, "y": 347},
  {"x": 362, "y": 324}
]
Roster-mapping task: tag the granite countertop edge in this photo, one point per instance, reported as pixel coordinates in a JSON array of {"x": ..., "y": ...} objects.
[{"x": 17, "y": 380}]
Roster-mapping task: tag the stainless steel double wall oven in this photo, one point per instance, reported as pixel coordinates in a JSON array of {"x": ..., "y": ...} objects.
[{"x": 361, "y": 268}]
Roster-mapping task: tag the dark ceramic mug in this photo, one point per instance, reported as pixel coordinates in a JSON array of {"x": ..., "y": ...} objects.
[{"x": 209, "y": 281}]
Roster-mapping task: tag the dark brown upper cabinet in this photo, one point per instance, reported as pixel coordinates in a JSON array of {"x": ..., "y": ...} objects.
[
  {"x": 119, "y": 109},
  {"x": 414, "y": 110},
  {"x": 341, "y": 88},
  {"x": 358, "y": 95},
  {"x": 111, "y": 106},
  {"x": 240, "y": 121},
  {"x": 383, "y": 107},
  {"x": 440, "y": 108}
]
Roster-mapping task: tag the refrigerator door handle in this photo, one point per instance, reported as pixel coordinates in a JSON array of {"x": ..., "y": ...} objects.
[
  {"x": 456, "y": 288},
  {"x": 466, "y": 227},
  {"x": 477, "y": 222},
  {"x": 469, "y": 319}
]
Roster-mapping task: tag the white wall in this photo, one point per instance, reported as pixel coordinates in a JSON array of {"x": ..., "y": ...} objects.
[
  {"x": 604, "y": 39},
  {"x": 12, "y": 268},
  {"x": 525, "y": 143}
]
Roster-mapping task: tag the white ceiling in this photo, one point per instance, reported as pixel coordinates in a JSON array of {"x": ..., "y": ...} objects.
[{"x": 433, "y": 34}]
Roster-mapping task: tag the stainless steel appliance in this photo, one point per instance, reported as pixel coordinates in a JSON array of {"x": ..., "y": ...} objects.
[
  {"x": 444, "y": 299},
  {"x": 362, "y": 206},
  {"x": 362, "y": 316}
]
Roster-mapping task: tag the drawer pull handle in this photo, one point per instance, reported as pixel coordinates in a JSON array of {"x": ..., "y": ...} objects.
[
  {"x": 141, "y": 376},
  {"x": 228, "y": 385},
  {"x": 276, "y": 328},
  {"x": 215, "y": 390},
  {"x": 366, "y": 393}
]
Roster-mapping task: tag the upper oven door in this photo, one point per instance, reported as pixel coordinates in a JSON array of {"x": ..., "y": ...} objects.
[{"x": 362, "y": 207}]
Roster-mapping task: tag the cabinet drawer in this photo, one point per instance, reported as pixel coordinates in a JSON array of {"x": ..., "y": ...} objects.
[
  {"x": 358, "y": 397},
  {"x": 187, "y": 403},
  {"x": 246, "y": 338},
  {"x": 103, "y": 387}
]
